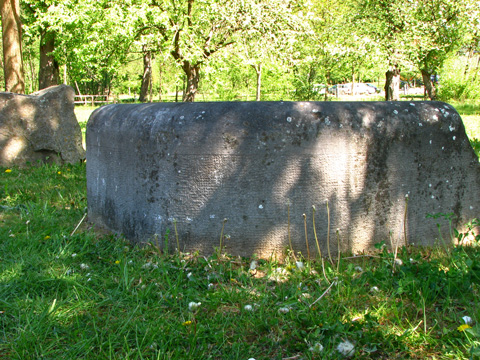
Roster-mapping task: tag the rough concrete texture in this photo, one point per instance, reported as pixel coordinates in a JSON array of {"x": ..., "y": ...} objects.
[
  {"x": 262, "y": 165},
  {"x": 39, "y": 127}
]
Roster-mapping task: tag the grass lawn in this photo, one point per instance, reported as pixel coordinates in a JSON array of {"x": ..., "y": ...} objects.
[{"x": 67, "y": 292}]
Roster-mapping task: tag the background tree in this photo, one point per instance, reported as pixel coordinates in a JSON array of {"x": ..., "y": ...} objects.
[
  {"x": 436, "y": 33},
  {"x": 37, "y": 27},
  {"x": 268, "y": 36},
  {"x": 12, "y": 46}
]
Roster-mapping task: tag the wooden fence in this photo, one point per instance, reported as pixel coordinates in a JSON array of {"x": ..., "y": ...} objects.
[{"x": 93, "y": 99}]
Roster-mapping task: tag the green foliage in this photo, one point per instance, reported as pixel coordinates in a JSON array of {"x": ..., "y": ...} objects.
[{"x": 68, "y": 292}]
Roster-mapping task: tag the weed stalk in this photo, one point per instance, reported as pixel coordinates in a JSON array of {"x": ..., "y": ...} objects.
[
  {"x": 176, "y": 235},
  {"x": 339, "y": 255},
  {"x": 405, "y": 221},
  {"x": 328, "y": 234},
  {"x": 306, "y": 236},
  {"x": 288, "y": 231},
  {"x": 315, "y": 231},
  {"x": 221, "y": 237}
]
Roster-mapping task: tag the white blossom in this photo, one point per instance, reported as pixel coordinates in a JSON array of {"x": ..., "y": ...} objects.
[
  {"x": 467, "y": 319},
  {"x": 316, "y": 348},
  {"x": 192, "y": 306},
  {"x": 346, "y": 348}
]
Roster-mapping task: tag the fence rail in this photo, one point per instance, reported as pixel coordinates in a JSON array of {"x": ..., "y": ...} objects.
[{"x": 93, "y": 99}]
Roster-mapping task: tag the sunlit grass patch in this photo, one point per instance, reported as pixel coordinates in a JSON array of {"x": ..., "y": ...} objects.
[{"x": 68, "y": 294}]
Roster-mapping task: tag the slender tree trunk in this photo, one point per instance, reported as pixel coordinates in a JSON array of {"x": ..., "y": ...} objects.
[
  {"x": 392, "y": 84},
  {"x": 258, "y": 71},
  {"x": 193, "y": 78},
  {"x": 428, "y": 83},
  {"x": 12, "y": 46},
  {"x": 147, "y": 74},
  {"x": 476, "y": 70},
  {"x": 49, "y": 72}
]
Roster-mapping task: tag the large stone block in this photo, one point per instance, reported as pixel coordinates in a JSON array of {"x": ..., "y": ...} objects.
[
  {"x": 262, "y": 165},
  {"x": 39, "y": 127}
]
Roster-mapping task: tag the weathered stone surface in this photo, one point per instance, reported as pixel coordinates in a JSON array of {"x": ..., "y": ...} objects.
[
  {"x": 198, "y": 163},
  {"x": 39, "y": 127}
]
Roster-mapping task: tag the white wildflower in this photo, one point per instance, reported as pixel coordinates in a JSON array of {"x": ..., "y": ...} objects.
[
  {"x": 398, "y": 262},
  {"x": 283, "y": 310},
  {"x": 192, "y": 306},
  {"x": 467, "y": 319},
  {"x": 84, "y": 266},
  {"x": 211, "y": 286},
  {"x": 346, "y": 348},
  {"x": 149, "y": 265},
  {"x": 317, "y": 348},
  {"x": 300, "y": 265},
  {"x": 253, "y": 265},
  {"x": 374, "y": 289},
  {"x": 358, "y": 268},
  {"x": 248, "y": 307},
  {"x": 74, "y": 254}
]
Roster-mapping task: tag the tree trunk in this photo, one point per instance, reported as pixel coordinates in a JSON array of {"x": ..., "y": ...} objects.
[
  {"x": 147, "y": 74},
  {"x": 49, "y": 72},
  {"x": 392, "y": 84},
  {"x": 428, "y": 83},
  {"x": 258, "y": 71},
  {"x": 193, "y": 78},
  {"x": 12, "y": 46}
]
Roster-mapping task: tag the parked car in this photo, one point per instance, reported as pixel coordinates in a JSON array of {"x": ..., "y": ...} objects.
[
  {"x": 377, "y": 90},
  {"x": 360, "y": 89},
  {"x": 319, "y": 88},
  {"x": 342, "y": 89}
]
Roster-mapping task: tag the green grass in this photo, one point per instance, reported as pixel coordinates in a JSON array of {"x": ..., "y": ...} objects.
[
  {"x": 72, "y": 293},
  {"x": 67, "y": 294}
]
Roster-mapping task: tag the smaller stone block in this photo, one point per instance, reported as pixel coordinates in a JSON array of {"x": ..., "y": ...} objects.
[{"x": 40, "y": 127}]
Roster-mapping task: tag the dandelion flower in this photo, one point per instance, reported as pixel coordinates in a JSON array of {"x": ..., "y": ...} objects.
[
  {"x": 346, "y": 348},
  {"x": 117, "y": 262},
  {"x": 186, "y": 323},
  {"x": 467, "y": 320},
  {"x": 300, "y": 265},
  {"x": 464, "y": 327},
  {"x": 59, "y": 172},
  {"x": 8, "y": 171},
  {"x": 192, "y": 306},
  {"x": 248, "y": 307},
  {"x": 317, "y": 348},
  {"x": 46, "y": 237}
]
